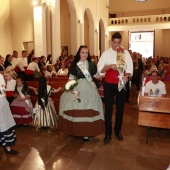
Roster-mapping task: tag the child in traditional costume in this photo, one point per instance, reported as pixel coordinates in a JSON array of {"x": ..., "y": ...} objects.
[
  {"x": 45, "y": 113},
  {"x": 10, "y": 86},
  {"x": 21, "y": 107},
  {"x": 7, "y": 123}
]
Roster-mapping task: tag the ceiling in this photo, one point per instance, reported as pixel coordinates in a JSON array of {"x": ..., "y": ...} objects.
[{"x": 131, "y": 7}]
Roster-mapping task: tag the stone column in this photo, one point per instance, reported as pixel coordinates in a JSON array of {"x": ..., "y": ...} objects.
[{"x": 40, "y": 30}]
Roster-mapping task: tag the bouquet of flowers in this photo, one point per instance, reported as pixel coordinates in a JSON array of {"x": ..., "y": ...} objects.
[
  {"x": 71, "y": 87},
  {"x": 121, "y": 65}
]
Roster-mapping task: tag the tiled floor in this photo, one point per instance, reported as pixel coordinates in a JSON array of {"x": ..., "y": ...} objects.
[{"x": 46, "y": 149}]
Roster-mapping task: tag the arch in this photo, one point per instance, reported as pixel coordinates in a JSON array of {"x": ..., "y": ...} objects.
[
  {"x": 102, "y": 36},
  {"x": 73, "y": 18},
  {"x": 91, "y": 30},
  {"x": 65, "y": 23}
]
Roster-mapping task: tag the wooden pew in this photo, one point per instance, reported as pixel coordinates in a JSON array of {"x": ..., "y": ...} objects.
[
  {"x": 55, "y": 96},
  {"x": 55, "y": 79},
  {"x": 154, "y": 112},
  {"x": 167, "y": 85}
]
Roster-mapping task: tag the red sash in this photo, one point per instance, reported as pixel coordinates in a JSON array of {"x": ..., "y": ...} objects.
[
  {"x": 17, "y": 69},
  {"x": 28, "y": 72},
  {"x": 9, "y": 93},
  {"x": 112, "y": 76}
]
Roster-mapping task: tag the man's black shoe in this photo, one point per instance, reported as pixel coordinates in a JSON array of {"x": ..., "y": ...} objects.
[
  {"x": 107, "y": 139},
  {"x": 119, "y": 136}
]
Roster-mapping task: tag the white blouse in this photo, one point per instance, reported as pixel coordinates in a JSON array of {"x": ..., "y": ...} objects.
[{"x": 11, "y": 85}]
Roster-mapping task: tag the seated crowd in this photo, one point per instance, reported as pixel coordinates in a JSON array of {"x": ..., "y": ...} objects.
[{"x": 32, "y": 67}]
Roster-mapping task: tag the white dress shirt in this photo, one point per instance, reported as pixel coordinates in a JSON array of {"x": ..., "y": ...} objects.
[
  {"x": 11, "y": 85},
  {"x": 23, "y": 63},
  {"x": 33, "y": 66},
  {"x": 109, "y": 57},
  {"x": 15, "y": 62}
]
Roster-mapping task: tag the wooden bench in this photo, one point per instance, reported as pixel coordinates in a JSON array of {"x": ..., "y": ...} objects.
[
  {"x": 54, "y": 96},
  {"x": 154, "y": 112},
  {"x": 54, "y": 79},
  {"x": 167, "y": 85}
]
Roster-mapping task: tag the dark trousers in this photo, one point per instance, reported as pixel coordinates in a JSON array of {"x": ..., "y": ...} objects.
[
  {"x": 10, "y": 99},
  {"x": 111, "y": 90},
  {"x": 30, "y": 77},
  {"x": 127, "y": 91}
]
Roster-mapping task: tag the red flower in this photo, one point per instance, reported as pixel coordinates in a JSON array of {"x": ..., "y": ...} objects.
[{"x": 120, "y": 49}]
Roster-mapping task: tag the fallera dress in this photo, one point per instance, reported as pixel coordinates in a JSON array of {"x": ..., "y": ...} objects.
[
  {"x": 46, "y": 117},
  {"x": 83, "y": 118}
]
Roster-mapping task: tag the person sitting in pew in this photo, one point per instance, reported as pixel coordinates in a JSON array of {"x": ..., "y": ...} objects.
[
  {"x": 33, "y": 70},
  {"x": 63, "y": 70},
  {"x": 50, "y": 72},
  {"x": 155, "y": 87}
]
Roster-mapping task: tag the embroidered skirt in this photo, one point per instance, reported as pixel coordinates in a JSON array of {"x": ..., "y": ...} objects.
[
  {"x": 7, "y": 132},
  {"x": 46, "y": 117},
  {"x": 22, "y": 113},
  {"x": 83, "y": 118}
]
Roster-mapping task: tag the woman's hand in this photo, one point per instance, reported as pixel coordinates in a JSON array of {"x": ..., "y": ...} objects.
[
  {"x": 57, "y": 90},
  {"x": 98, "y": 77},
  {"x": 15, "y": 95}
]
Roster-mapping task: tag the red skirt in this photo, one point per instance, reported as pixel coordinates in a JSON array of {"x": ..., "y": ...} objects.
[{"x": 20, "y": 115}]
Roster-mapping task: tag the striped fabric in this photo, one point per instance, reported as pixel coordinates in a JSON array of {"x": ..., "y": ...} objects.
[{"x": 8, "y": 137}]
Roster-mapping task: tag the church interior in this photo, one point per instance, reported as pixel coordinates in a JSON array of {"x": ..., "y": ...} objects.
[{"x": 58, "y": 28}]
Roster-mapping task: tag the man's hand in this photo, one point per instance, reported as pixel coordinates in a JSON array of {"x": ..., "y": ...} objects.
[{"x": 105, "y": 68}]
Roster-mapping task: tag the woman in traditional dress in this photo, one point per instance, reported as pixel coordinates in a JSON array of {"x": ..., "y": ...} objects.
[
  {"x": 7, "y": 123},
  {"x": 21, "y": 107},
  {"x": 45, "y": 113},
  {"x": 83, "y": 118}
]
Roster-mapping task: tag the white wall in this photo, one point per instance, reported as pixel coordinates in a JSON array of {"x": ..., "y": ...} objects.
[
  {"x": 21, "y": 23},
  {"x": 5, "y": 28},
  {"x": 162, "y": 43}
]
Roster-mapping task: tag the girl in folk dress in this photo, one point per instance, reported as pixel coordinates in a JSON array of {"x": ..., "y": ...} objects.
[
  {"x": 10, "y": 87},
  {"x": 7, "y": 123},
  {"x": 83, "y": 118},
  {"x": 45, "y": 113},
  {"x": 21, "y": 107}
]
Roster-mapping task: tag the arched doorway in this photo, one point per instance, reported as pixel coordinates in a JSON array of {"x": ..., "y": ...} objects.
[
  {"x": 64, "y": 25},
  {"x": 89, "y": 30},
  {"x": 73, "y": 27},
  {"x": 102, "y": 37},
  {"x": 68, "y": 26}
]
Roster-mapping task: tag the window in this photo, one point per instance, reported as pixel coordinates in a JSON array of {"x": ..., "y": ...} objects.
[{"x": 142, "y": 42}]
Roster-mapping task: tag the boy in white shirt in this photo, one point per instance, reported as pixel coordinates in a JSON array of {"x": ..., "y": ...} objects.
[{"x": 32, "y": 67}]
